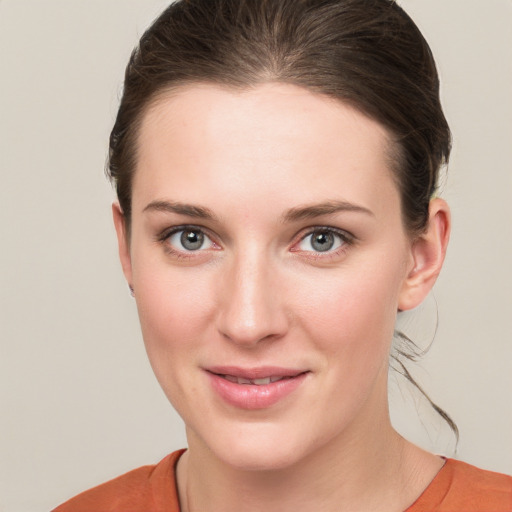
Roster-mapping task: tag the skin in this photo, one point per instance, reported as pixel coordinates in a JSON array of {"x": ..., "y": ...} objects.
[{"x": 259, "y": 293}]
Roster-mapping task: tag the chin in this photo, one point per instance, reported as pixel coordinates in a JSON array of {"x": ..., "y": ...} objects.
[
  {"x": 257, "y": 458},
  {"x": 258, "y": 447}
]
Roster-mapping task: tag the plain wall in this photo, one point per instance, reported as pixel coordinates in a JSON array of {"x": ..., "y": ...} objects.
[{"x": 79, "y": 403}]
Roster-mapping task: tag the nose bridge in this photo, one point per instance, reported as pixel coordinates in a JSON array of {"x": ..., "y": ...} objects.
[{"x": 251, "y": 307}]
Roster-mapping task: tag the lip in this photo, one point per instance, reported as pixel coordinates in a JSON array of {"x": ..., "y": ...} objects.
[{"x": 253, "y": 396}]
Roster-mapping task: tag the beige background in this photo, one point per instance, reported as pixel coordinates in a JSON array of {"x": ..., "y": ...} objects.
[{"x": 79, "y": 403}]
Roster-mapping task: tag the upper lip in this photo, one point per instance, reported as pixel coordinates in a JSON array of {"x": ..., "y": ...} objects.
[{"x": 257, "y": 372}]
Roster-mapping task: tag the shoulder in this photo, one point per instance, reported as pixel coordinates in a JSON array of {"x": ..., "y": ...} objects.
[
  {"x": 462, "y": 487},
  {"x": 146, "y": 489}
]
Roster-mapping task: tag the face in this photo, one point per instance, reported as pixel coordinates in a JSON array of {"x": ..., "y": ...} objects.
[{"x": 268, "y": 258}]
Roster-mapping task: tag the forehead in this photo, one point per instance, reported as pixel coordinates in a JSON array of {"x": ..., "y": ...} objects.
[{"x": 203, "y": 139}]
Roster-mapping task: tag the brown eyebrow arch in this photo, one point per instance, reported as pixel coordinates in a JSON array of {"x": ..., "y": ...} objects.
[
  {"x": 181, "y": 209},
  {"x": 327, "y": 208}
]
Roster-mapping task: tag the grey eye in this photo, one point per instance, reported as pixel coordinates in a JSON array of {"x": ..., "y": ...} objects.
[
  {"x": 192, "y": 240},
  {"x": 189, "y": 240},
  {"x": 321, "y": 240}
]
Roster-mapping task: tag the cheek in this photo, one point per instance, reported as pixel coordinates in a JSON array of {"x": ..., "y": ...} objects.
[
  {"x": 172, "y": 323},
  {"x": 175, "y": 311},
  {"x": 353, "y": 314}
]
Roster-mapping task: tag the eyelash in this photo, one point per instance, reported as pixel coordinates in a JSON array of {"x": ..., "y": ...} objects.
[
  {"x": 165, "y": 235},
  {"x": 346, "y": 238}
]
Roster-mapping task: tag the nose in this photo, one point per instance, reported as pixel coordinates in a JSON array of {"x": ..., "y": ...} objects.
[{"x": 251, "y": 302}]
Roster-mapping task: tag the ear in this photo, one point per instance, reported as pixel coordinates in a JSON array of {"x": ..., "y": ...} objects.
[
  {"x": 122, "y": 241},
  {"x": 428, "y": 252}
]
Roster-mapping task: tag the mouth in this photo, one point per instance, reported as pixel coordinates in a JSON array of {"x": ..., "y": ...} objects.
[
  {"x": 255, "y": 382},
  {"x": 255, "y": 388}
]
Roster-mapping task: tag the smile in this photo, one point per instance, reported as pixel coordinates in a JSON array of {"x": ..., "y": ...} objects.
[
  {"x": 257, "y": 382},
  {"x": 254, "y": 389}
]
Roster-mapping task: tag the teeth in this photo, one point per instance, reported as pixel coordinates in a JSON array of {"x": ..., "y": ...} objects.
[
  {"x": 261, "y": 382},
  {"x": 257, "y": 382}
]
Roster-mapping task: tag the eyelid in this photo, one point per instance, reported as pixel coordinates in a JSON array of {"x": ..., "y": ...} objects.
[
  {"x": 346, "y": 237},
  {"x": 164, "y": 235}
]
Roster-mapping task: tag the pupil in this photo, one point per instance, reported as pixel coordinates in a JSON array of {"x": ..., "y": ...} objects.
[
  {"x": 323, "y": 241},
  {"x": 192, "y": 240}
]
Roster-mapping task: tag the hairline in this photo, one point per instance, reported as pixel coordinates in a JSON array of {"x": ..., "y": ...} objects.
[{"x": 393, "y": 150}]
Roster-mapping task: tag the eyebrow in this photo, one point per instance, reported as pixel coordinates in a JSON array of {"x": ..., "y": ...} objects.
[
  {"x": 327, "y": 208},
  {"x": 189, "y": 210},
  {"x": 293, "y": 214}
]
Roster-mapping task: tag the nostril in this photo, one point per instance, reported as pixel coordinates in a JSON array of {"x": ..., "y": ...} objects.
[{"x": 248, "y": 336}]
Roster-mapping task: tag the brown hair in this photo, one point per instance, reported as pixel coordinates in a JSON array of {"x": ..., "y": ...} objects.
[{"x": 367, "y": 53}]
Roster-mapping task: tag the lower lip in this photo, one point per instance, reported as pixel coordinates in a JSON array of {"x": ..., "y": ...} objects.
[{"x": 251, "y": 396}]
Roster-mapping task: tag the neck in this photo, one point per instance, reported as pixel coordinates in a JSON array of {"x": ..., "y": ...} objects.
[{"x": 372, "y": 469}]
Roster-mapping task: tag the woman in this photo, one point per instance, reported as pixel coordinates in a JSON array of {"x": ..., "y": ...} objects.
[{"x": 276, "y": 164}]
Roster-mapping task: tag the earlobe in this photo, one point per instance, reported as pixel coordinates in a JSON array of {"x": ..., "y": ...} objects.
[
  {"x": 428, "y": 252},
  {"x": 122, "y": 241}
]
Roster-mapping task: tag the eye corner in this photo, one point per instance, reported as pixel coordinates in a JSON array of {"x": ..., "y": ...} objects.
[
  {"x": 337, "y": 242},
  {"x": 187, "y": 241}
]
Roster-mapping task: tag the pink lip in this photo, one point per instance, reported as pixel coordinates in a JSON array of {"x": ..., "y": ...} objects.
[{"x": 253, "y": 396}]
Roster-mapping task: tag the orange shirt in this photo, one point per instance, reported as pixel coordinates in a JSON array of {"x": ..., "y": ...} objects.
[{"x": 458, "y": 487}]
